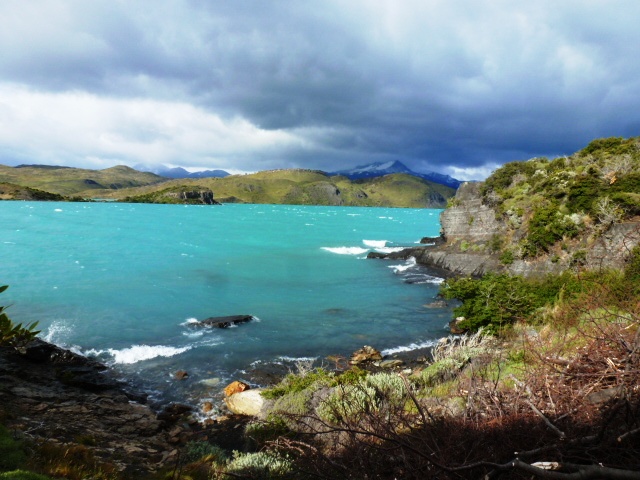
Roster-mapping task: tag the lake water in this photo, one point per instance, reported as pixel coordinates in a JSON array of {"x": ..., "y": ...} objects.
[{"x": 125, "y": 282}]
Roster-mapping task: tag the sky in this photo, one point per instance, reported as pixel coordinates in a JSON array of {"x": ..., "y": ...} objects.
[{"x": 452, "y": 86}]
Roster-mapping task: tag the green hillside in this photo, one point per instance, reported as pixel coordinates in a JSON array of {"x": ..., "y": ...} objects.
[
  {"x": 547, "y": 203},
  {"x": 76, "y": 181},
  {"x": 306, "y": 187}
]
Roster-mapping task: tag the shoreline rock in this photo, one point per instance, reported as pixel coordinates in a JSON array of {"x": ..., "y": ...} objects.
[
  {"x": 224, "y": 322},
  {"x": 53, "y": 395}
]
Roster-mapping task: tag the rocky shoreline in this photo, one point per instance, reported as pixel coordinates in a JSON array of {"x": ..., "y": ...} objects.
[
  {"x": 49, "y": 395},
  {"x": 52, "y": 395}
]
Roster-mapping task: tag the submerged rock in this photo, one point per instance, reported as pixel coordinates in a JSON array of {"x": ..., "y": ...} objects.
[{"x": 224, "y": 322}]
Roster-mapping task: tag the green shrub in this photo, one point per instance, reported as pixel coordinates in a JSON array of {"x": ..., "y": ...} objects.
[
  {"x": 15, "y": 335},
  {"x": 507, "y": 257},
  {"x": 12, "y": 455},
  {"x": 546, "y": 227},
  {"x": 22, "y": 475},
  {"x": 296, "y": 383},
  {"x": 260, "y": 465},
  {"x": 195, "y": 451}
]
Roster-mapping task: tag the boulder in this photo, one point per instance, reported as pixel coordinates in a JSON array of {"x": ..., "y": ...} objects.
[
  {"x": 365, "y": 354},
  {"x": 249, "y": 402},
  {"x": 224, "y": 322},
  {"x": 392, "y": 363},
  {"x": 235, "y": 387},
  {"x": 454, "y": 326},
  {"x": 437, "y": 304},
  {"x": 180, "y": 375}
]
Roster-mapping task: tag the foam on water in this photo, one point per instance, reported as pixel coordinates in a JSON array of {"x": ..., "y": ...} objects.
[
  {"x": 346, "y": 250},
  {"x": 409, "y": 348},
  {"x": 410, "y": 263},
  {"x": 140, "y": 353},
  {"x": 389, "y": 249},
  {"x": 375, "y": 243}
]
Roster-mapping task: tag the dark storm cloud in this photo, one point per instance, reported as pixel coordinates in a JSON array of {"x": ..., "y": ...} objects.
[{"x": 457, "y": 87}]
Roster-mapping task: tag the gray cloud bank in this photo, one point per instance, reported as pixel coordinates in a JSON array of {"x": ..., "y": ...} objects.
[{"x": 457, "y": 87}]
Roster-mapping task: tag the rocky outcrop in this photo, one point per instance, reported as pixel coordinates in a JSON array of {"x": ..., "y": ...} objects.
[
  {"x": 54, "y": 395},
  {"x": 223, "y": 322},
  {"x": 468, "y": 219},
  {"x": 469, "y": 228},
  {"x": 204, "y": 197}
]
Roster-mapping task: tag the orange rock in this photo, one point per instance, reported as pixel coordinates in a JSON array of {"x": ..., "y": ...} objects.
[{"x": 235, "y": 387}]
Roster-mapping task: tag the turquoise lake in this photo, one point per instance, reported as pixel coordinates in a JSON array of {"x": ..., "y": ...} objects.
[{"x": 125, "y": 282}]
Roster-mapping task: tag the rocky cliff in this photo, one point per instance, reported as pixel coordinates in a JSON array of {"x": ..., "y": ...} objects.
[{"x": 479, "y": 239}]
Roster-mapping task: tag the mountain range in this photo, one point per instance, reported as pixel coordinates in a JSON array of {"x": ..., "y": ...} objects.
[
  {"x": 379, "y": 169},
  {"x": 372, "y": 170},
  {"x": 179, "y": 172}
]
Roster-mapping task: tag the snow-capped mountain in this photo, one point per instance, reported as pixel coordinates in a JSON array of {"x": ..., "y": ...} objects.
[
  {"x": 379, "y": 169},
  {"x": 179, "y": 172}
]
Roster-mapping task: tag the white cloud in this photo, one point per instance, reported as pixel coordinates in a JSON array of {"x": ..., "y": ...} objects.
[{"x": 78, "y": 128}]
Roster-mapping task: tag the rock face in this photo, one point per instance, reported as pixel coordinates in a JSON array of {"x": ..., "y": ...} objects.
[
  {"x": 469, "y": 219},
  {"x": 204, "y": 197},
  {"x": 59, "y": 396},
  {"x": 469, "y": 227}
]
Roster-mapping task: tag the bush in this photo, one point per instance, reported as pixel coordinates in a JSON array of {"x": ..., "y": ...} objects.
[
  {"x": 12, "y": 455},
  {"x": 546, "y": 227},
  {"x": 494, "y": 301},
  {"x": 22, "y": 475},
  {"x": 15, "y": 335},
  {"x": 293, "y": 383},
  {"x": 265, "y": 465}
]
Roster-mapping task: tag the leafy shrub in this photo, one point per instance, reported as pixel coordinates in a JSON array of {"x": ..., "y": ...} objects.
[
  {"x": 296, "y": 383},
  {"x": 503, "y": 177},
  {"x": 266, "y": 465},
  {"x": 367, "y": 395},
  {"x": 348, "y": 402},
  {"x": 546, "y": 227},
  {"x": 493, "y": 302},
  {"x": 15, "y": 335},
  {"x": 507, "y": 257},
  {"x": 22, "y": 475},
  {"x": 12, "y": 455},
  {"x": 197, "y": 450}
]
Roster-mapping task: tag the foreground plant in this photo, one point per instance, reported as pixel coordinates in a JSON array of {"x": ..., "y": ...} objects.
[{"x": 12, "y": 334}]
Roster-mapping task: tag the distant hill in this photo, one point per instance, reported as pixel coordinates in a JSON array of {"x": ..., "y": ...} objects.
[
  {"x": 307, "y": 187},
  {"x": 379, "y": 169},
  {"x": 9, "y": 191},
  {"x": 298, "y": 186},
  {"x": 76, "y": 181},
  {"x": 179, "y": 172}
]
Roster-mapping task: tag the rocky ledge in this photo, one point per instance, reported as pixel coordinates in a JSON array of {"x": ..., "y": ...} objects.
[{"x": 48, "y": 394}]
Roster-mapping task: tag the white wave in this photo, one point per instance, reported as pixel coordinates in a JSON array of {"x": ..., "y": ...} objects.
[
  {"x": 189, "y": 321},
  {"x": 409, "y": 348},
  {"x": 346, "y": 250},
  {"x": 429, "y": 279},
  {"x": 57, "y": 333},
  {"x": 389, "y": 249},
  {"x": 375, "y": 243},
  {"x": 285, "y": 358},
  {"x": 411, "y": 262},
  {"x": 57, "y": 210},
  {"x": 139, "y": 353}
]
